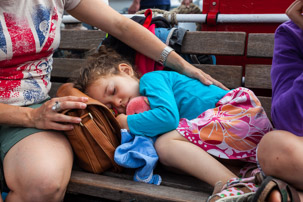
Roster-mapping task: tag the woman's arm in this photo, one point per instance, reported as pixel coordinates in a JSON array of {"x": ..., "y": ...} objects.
[
  {"x": 98, "y": 14},
  {"x": 42, "y": 117}
]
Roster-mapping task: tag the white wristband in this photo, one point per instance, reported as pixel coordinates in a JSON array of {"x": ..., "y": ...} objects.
[{"x": 166, "y": 51}]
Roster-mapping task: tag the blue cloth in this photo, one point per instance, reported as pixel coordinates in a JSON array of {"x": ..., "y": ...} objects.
[
  {"x": 162, "y": 33},
  {"x": 138, "y": 152},
  {"x": 172, "y": 96}
]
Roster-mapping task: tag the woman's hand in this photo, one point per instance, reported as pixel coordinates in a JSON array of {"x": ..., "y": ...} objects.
[
  {"x": 176, "y": 62},
  {"x": 186, "y": 2},
  {"x": 294, "y": 12},
  {"x": 122, "y": 120},
  {"x": 202, "y": 76},
  {"x": 134, "y": 7},
  {"x": 45, "y": 117}
]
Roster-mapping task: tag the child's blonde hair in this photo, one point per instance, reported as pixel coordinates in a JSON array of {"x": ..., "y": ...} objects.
[{"x": 103, "y": 63}]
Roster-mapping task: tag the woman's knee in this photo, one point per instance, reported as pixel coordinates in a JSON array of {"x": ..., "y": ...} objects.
[
  {"x": 47, "y": 183},
  {"x": 39, "y": 167},
  {"x": 50, "y": 187}
]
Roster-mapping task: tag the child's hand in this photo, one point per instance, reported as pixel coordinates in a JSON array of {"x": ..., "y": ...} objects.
[
  {"x": 294, "y": 12},
  {"x": 122, "y": 120}
]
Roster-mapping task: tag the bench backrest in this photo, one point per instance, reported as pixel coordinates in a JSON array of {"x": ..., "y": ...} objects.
[
  {"x": 257, "y": 76},
  {"x": 199, "y": 42}
]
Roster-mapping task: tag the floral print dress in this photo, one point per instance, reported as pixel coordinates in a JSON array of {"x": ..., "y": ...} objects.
[{"x": 232, "y": 130}]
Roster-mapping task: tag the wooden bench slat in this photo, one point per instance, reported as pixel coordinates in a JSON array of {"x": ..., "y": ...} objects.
[
  {"x": 222, "y": 43},
  {"x": 81, "y": 39},
  {"x": 125, "y": 190},
  {"x": 170, "y": 179},
  {"x": 266, "y": 103},
  {"x": 54, "y": 88},
  {"x": 260, "y": 45},
  {"x": 229, "y": 75},
  {"x": 174, "y": 187},
  {"x": 257, "y": 76},
  {"x": 66, "y": 67}
]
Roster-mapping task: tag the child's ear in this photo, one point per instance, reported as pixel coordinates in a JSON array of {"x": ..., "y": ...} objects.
[{"x": 123, "y": 67}]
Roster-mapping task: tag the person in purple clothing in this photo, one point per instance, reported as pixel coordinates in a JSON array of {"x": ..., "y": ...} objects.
[{"x": 280, "y": 151}]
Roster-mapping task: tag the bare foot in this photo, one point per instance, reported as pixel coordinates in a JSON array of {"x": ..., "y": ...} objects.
[{"x": 274, "y": 196}]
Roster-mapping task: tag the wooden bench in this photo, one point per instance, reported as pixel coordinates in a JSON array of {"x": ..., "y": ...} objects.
[
  {"x": 257, "y": 76},
  {"x": 175, "y": 187}
]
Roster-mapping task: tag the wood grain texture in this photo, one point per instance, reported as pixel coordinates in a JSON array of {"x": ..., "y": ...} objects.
[
  {"x": 221, "y": 43},
  {"x": 228, "y": 75},
  {"x": 266, "y": 104},
  {"x": 127, "y": 190},
  {"x": 170, "y": 179},
  {"x": 260, "y": 45},
  {"x": 257, "y": 76},
  {"x": 174, "y": 187},
  {"x": 54, "y": 88},
  {"x": 81, "y": 39},
  {"x": 66, "y": 67}
]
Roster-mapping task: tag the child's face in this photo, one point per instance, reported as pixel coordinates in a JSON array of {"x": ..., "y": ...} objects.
[{"x": 115, "y": 91}]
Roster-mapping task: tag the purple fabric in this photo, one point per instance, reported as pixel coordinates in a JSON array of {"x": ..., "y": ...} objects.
[{"x": 287, "y": 79}]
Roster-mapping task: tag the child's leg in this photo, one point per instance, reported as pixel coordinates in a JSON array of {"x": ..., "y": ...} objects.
[
  {"x": 176, "y": 151},
  {"x": 280, "y": 155}
]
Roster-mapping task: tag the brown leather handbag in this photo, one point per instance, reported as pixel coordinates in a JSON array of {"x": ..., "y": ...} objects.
[{"x": 95, "y": 139}]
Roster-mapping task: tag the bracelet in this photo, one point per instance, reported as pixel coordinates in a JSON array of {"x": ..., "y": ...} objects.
[{"x": 166, "y": 51}]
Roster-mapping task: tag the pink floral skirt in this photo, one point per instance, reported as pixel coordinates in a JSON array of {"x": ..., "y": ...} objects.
[{"x": 232, "y": 130}]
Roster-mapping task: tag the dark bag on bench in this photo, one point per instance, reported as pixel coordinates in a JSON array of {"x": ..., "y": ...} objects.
[{"x": 95, "y": 139}]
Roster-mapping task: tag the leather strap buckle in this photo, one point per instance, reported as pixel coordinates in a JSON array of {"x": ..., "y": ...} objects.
[{"x": 86, "y": 115}]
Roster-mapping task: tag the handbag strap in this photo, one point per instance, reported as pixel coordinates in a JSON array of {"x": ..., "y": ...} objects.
[{"x": 98, "y": 135}]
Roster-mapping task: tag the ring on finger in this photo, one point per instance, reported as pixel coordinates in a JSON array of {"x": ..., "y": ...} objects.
[{"x": 56, "y": 107}]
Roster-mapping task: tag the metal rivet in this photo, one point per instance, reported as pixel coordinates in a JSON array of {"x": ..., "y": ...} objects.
[{"x": 214, "y": 3}]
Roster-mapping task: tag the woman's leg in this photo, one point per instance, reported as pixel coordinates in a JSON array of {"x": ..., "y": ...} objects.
[
  {"x": 38, "y": 168},
  {"x": 176, "y": 151},
  {"x": 280, "y": 155}
]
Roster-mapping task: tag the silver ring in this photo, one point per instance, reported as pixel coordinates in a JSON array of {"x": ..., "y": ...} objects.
[{"x": 56, "y": 107}]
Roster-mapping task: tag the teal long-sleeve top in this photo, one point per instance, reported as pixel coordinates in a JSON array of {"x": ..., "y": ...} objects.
[{"x": 172, "y": 96}]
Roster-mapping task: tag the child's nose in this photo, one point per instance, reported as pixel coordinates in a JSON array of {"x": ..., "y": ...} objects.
[{"x": 118, "y": 102}]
